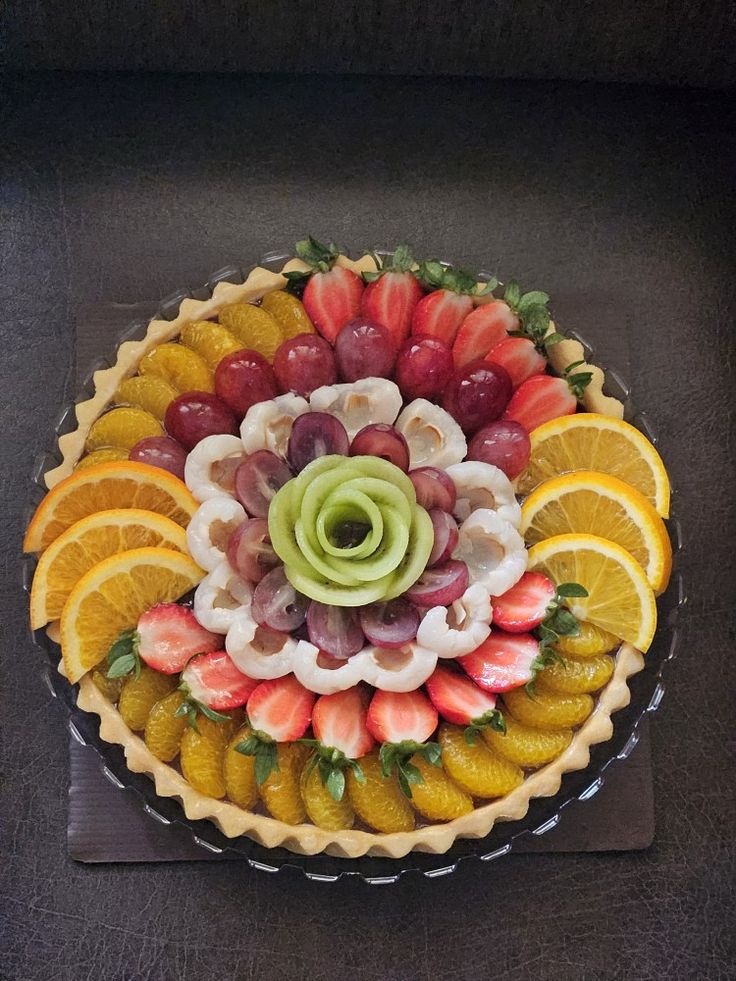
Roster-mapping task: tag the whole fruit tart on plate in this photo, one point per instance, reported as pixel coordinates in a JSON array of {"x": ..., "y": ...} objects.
[{"x": 354, "y": 558}]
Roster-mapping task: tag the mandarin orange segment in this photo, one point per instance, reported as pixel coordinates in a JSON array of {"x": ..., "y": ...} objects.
[
  {"x": 202, "y": 755},
  {"x": 110, "y": 687},
  {"x": 164, "y": 729},
  {"x": 476, "y": 769},
  {"x": 379, "y": 801},
  {"x": 105, "y": 486},
  {"x": 322, "y": 809},
  {"x": 110, "y": 454},
  {"x": 240, "y": 773},
  {"x": 139, "y": 695},
  {"x": 289, "y": 312},
  {"x": 590, "y": 641},
  {"x": 571, "y": 676},
  {"x": 254, "y": 327},
  {"x": 547, "y": 709},
  {"x": 86, "y": 543},
  {"x": 280, "y": 790},
  {"x": 122, "y": 427},
  {"x": 184, "y": 370},
  {"x": 526, "y": 746},
  {"x": 151, "y": 393},
  {"x": 210, "y": 341},
  {"x": 438, "y": 798}
]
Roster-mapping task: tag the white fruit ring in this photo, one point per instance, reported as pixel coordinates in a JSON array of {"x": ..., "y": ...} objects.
[
  {"x": 198, "y": 467},
  {"x": 400, "y": 670},
  {"x": 250, "y": 656},
  {"x": 493, "y": 551},
  {"x": 432, "y": 435},
  {"x": 212, "y": 524},
  {"x": 459, "y": 629},
  {"x": 360, "y": 403},
  {"x": 220, "y": 598},
  {"x": 481, "y": 485},
  {"x": 323, "y": 681},
  {"x": 267, "y": 425}
]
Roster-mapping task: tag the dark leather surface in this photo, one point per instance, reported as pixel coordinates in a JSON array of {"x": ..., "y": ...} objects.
[
  {"x": 681, "y": 41},
  {"x": 619, "y": 202}
]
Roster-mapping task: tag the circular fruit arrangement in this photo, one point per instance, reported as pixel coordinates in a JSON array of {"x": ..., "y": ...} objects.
[{"x": 359, "y": 557}]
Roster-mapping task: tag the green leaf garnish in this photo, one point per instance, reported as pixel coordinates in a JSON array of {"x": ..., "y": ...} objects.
[
  {"x": 123, "y": 656},
  {"x": 434, "y": 276},
  {"x": 401, "y": 261},
  {"x": 261, "y": 746},
  {"x": 396, "y": 757},
  {"x": 191, "y": 706},
  {"x": 492, "y": 719},
  {"x": 332, "y": 764},
  {"x": 558, "y": 622},
  {"x": 317, "y": 255},
  {"x": 532, "y": 310}
]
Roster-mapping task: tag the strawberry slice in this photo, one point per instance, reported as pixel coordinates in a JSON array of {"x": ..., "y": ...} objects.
[
  {"x": 168, "y": 636},
  {"x": 391, "y": 296},
  {"x": 524, "y": 606},
  {"x": 331, "y": 294},
  {"x": 281, "y": 709},
  {"x": 463, "y": 703},
  {"x": 402, "y": 722},
  {"x": 213, "y": 681},
  {"x": 481, "y": 330},
  {"x": 519, "y": 357},
  {"x": 503, "y": 661},
  {"x": 542, "y": 398},
  {"x": 440, "y": 314},
  {"x": 339, "y": 722}
]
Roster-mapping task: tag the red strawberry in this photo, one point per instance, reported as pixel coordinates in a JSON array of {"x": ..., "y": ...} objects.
[
  {"x": 339, "y": 722},
  {"x": 396, "y": 717},
  {"x": 168, "y": 636},
  {"x": 461, "y": 702},
  {"x": 281, "y": 709},
  {"x": 524, "y": 606},
  {"x": 503, "y": 661},
  {"x": 519, "y": 357},
  {"x": 213, "y": 680},
  {"x": 540, "y": 399},
  {"x": 440, "y": 314},
  {"x": 332, "y": 294},
  {"x": 481, "y": 330},
  {"x": 391, "y": 296}
]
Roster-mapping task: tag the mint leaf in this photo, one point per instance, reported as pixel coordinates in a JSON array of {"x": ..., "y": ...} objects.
[
  {"x": 512, "y": 294},
  {"x": 122, "y": 665},
  {"x": 335, "y": 784},
  {"x": 567, "y": 589}
]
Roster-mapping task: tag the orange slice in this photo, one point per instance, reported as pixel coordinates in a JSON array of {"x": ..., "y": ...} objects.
[
  {"x": 254, "y": 327},
  {"x": 179, "y": 366},
  {"x": 599, "y": 504},
  {"x": 620, "y": 600},
  {"x": 210, "y": 341},
  {"x": 113, "y": 595},
  {"x": 588, "y": 441},
  {"x": 150, "y": 393},
  {"x": 122, "y": 428},
  {"x": 108, "y": 485},
  {"x": 87, "y": 542}
]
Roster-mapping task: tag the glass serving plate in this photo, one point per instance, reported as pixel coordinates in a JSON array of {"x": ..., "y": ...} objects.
[{"x": 647, "y": 688}]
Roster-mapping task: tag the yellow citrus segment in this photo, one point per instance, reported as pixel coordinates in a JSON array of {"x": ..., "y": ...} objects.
[
  {"x": 289, "y": 312},
  {"x": 620, "y": 600},
  {"x": 379, "y": 801},
  {"x": 113, "y": 595},
  {"x": 240, "y": 773},
  {"x": 526, "y": 746},
  {"x": 438, "y": 798},
  {"x": 576, "y": 677},
  {"x": 124, "y": 484},
  {"x": 210, "y": 341},
  {"x": 202, "y": 755},
  {"x": 86, "y": 543},
  {"x": 254, "y": 327},
  {"x": 110, "y": 687},
  {"x": 109, "y": 454},
  {"x": 122, "y": 427},
  {"x": 477, "y": 769},
  {"x": 280, "y": 790},
  {"x": 139, "y": 695},
  {"x": 590, "y": 641},
  {"x": 322, "y": 809},
  {"x": 180, "y": 367},
  {"x": 547, "y": 709},
  {"x": 599, "y": 504},
  {"x": 164, "y": 729},
  {"x": 150, "y": 393},
  {"x": 589, "y": 441}
]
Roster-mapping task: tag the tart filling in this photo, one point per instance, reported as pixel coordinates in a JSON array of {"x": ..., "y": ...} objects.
[{"x": 374, "y": 661}]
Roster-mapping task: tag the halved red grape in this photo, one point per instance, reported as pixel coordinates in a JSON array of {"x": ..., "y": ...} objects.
[
  {"x": 335, "y": 629},
  {"x": 162, "y": 452},
  {"x": 379, "y": 439},
  {"x": 423, "y": 368},
  {"x": 303, "y": 363},
  {"x": 249, "y": 550},
  {"x": 440, "y": 586},
  {"x": 364, "y": 350},
  {"x": 244, "y": 378},
  {"x": 258, "y": 478},
  {"x": 313, "y": 435},
  {"x": 276, "y": 604},
  {"x": 195, "y": 415},
  {"x": 504, "y": 444},
  {"x": 445, "y": 537},
  {"x": 476, "y": 394},
  {"x": 391, "y": 624},
  {"x": 434, "y": 488}
]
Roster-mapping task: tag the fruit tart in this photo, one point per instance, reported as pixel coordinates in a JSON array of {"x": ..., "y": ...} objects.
[{"x": 355, "y": 557}]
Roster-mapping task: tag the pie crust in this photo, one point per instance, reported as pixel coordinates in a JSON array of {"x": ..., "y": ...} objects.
[{"x": 308, "y": 839}]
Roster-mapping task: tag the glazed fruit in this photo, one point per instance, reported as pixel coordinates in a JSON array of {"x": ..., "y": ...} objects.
[
  {"x": 140, "y": 694},
  {"x": 281, "y": 790},
  {"x": 381, "y": 440},
  {"x": 332, "y": 296},
  {"x": 276, "y": 604},
  {"x": 257, "y": 479},
  {"x": 253, "y": 327},
  {"x": 527, "y": 746},
  {"x": 321, "y": 807},
  {"x": 503, "y": 661},
  {"x": 289, "y": 312},
  {"x": 110, "y": 687},
  {"x": 377, "y": 799},
  {"x": 168, "y": 636},
  {"x": 122, "y": 427},
  {"x": 436, "y": 796},
  {"x": 162, "y": 452},
  {"x": 148, "y": 392},
  {"x": 249, "y": 550},
  {"x": 336, "y": 630},
  {"x": 213, "y": 681},
  {"x": 590, "y": 641},
  {"x": 165, "y": 728},
  {"x": 440, "y": 313},
  {"x": 180, "y": 367},
  {"x": 423, "y": 368},
  {"x": 541, "y": 399},
  {"x": 519, "y": 357},
  {"x": 244, "y": 378},
  {"x": 364, "y": 349},
  {"x": 390, "y": 625},
  {"x": 482, "y": 330},
  {"x": 240, "y": 773},
  {"x": 202, "y": 755},
  {"x": 476, "y": 769},
  {"x": 504, "y": 444},
  {"x": 392, "y": 295},
  {"x": 196, "y": 415},
  {"x": 477, "y": 394},
  {"x": 460, "y": 701},
  {"x": 210, "y": 341},
  {"x": 572, "y": 676},
  {"x": 547, "y": 709},
  {"x": 314, "y": 435},
  {"x": 303, "y": 363},
  {"x": 110, "y": 454},
  {"x": 434, "y": 488},
  {"x": 441, "y": 585},
  {"x": 523, "y": 607}
]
